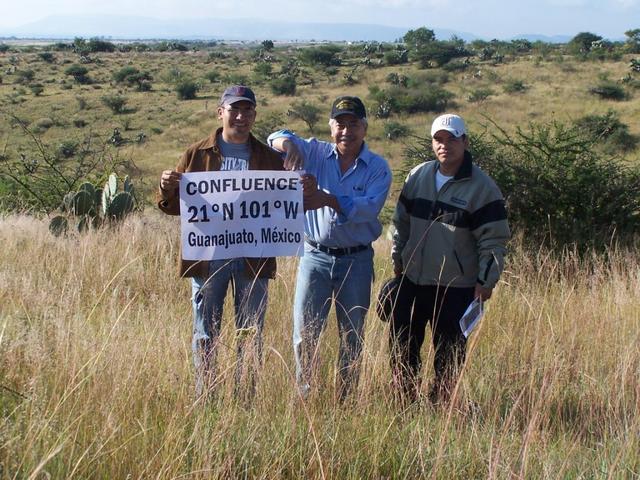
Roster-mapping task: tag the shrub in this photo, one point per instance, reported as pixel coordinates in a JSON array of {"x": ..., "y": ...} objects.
[
  {"x": 480, "y": 95},
  {"x": 115, "y": 102},
  {"x": 397, "y": 79},
  {"x": 325, "y": 55},
  {"x": 44, "y": 123},
  {"x": 396, "y": 130},
  {"x": 47, "y": 57},
  {"x": 67, "y": 149},
  {"x": 36, "y": 89},
  {"x": 40, "y": 177},
  {"x": 609, "y": 91},
  {"x": 4, "y": 48},
  {"x": 559, "y": 189},
  {"x": 396, "y": 57},
  {"x": 305, "y": 111},
  {"x": 79, "y": 73},
  {"x": 23, "y": 77},
  {"x": 187, "y": 89},
  {"x": 457, "y": 65},
  {"x": 133, "y": 77},
  {"x": 609, "y": 129},
  {"x": 262, "y": 69},
  {"x": 213, "y": 76},
  {"x": 284, "y": 85},
  {"x": 268, "y": 124},
  {"x": 407, "y": 100},
  {"x": 514, "y": 86}
]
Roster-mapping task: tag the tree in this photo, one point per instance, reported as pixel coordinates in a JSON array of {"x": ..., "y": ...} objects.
[
  {"x": 325, "y": 55},
  {"x": 115, "y": 102},
  {"x": 267, "y": 45},
  {"x": 419, "y": 37},
  {"x": 583, "y": 42},
  {"x": 632, "y": 43},
  {"x": 186, "y": 89},
  {"x": 79, "y": 73},
  {"x": 305, "y": 111}
]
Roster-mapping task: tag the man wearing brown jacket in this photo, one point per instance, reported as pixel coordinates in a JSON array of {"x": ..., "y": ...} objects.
[{"x": 231, "y": 147}]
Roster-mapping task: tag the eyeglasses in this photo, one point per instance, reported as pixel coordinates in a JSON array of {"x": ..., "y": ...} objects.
[{"x": 248, "y": 111}]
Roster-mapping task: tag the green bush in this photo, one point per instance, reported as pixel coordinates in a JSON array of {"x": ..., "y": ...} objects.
[
  {"x": 609, "y": 129},
  {"x": 47, "y": 57},
  {"x": 24, "y": 77},
  {"x": 41, "y": 175},
  {"x": 79, "y": 73},
  {"x": 305, "y": 111},
  {"x": 115, "y": 102},
  {"x": 284, "y": 85},
  {"x": 608, "y": 90},
  {"x": 268, "y": 124},
  {"x": 36, "y": 89},
  {"x": 560, "y": 190},
  {"x": 396, "y": 130},
  {"x": 213, "y": 76},
  {"x": 480, "y": 95},
  {"x": 397, "y": 79},
  {"x": 457, "y": 65},
  {"x": 514, "y": 86},
  {"x": 407, "y": 100},
  {"x": 396, "y": 57},
  {"x": 133, "y": 77},
  {"x": 186, "y": 89},
  {"x": 325, "y": 55}
]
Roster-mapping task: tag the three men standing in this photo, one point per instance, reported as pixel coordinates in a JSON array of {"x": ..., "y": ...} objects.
[
  {"x": 345, "y": 186},
  {"x": 449, "y": 245}
]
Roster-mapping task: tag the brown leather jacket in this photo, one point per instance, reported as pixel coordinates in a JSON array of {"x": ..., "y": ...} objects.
[{"x": 204, "y": 156}]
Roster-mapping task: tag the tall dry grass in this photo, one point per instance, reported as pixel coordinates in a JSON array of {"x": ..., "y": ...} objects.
[{"x": 96, "y": 377}]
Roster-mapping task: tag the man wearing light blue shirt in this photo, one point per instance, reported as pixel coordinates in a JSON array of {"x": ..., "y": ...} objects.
[{"x": 345, "y": 186}]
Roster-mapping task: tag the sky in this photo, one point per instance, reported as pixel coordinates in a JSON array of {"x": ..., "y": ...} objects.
[{"x": 485, "y": 18}]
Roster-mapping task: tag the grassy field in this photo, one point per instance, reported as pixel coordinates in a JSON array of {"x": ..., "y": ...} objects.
[
  {"x": 555, "y": 87},
  {"x": 96, "y": 376},
  {"x": 96, "y": 379}
]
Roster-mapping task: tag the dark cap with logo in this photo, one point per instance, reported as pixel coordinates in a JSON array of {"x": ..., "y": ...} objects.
[
  {"x": 237, "y": 93},
  {"x": 348, "y": 105}
]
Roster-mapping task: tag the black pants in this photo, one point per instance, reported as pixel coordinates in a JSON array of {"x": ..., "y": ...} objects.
[{"x": 416, "y": 306}]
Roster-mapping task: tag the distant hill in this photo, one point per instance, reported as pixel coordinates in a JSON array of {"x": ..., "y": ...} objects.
[{"x": 129, "y": 28}]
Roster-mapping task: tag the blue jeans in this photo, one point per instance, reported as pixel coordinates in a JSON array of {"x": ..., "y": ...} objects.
[
  {"x": 250, "y": 301},
  {"x": 347, "y": 280}
]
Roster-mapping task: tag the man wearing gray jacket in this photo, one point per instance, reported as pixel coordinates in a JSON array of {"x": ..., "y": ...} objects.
[{"x": 449, "y": 246}]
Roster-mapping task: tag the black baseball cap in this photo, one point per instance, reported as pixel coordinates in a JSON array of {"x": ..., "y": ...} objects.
[
  {"x": 347, "y": 104},
  {"x": 237, "y": 93}
]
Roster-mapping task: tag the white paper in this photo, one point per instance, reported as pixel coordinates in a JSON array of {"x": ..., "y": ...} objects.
[
  {"x": 471, "y": 317},
  {"x": 231, "y": 214}
]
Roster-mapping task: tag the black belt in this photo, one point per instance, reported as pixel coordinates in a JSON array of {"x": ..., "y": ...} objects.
[{"x": 337, "y": 251}]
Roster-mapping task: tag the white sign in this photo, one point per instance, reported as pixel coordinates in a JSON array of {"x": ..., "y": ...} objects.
[{"x": 250, "y": 213}]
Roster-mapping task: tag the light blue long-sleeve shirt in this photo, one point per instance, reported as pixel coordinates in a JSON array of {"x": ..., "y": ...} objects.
[{"x": 361, "y": 192}]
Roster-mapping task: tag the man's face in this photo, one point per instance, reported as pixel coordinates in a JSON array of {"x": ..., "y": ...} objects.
[
  {"x": 237, "y": 118},
  {"x": 348, "y": 132},
  {"x": 449, "y": 150}
]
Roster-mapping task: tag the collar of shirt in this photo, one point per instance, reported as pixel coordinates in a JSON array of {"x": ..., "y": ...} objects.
[{"x": 364, "y": 155}]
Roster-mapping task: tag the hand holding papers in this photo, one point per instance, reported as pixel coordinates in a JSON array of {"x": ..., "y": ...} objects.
[{"x": 471, "y": 317}]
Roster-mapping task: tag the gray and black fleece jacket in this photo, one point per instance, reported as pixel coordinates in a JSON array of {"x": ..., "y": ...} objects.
[{"x": 455, "y": 237}]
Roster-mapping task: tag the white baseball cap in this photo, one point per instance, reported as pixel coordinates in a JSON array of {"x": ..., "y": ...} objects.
[{"x": 449, "y": 122}]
